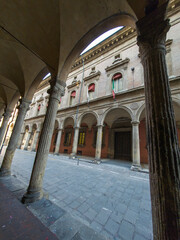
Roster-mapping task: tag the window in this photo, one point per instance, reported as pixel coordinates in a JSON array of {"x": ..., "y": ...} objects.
[
  {"x": 72, "y": 98},
  {"x": 91, "y": 90},
  {"x": 67, "y": 139},
  {"x": 118, "y": 82},
  {"x": 39, "y": 107},
  {"x": 81, "y": 140}
]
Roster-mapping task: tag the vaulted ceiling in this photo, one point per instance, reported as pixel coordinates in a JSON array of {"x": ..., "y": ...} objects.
[{"x": 52, "y": 33}]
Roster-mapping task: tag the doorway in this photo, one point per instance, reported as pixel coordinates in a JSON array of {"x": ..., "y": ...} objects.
[{"x": 122, "y": 146}]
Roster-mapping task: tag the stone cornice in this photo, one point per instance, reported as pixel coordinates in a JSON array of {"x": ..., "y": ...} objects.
[
  {"x": 96, "y": 74},
  {"x": 118, "y": 64},
  {"x": 44, "y": 83},
  {"x": 112, "y": 42},
  {"x": 40, "y": 100}
]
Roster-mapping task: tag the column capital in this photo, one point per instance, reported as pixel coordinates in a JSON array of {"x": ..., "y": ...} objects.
[
  {"x": 135, "y": 122},
  {"x": 60, "y": 129},
  {"x": 100, "y": 125},
  {"x": 24, "y": 104},
  {"x": 57, "y": 89},
  {"x": 152, "y": 31}
]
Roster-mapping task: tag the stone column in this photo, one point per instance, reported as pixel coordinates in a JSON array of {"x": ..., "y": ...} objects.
[
  {"x": 7, "y": 161},
  {"x": 33, "y": 148},
  {"x": 34, "y": 191},
  {"x": 27, "y": 140},
  {"x": 75, "y": 142},
  {"x": 7, "y": 115},
  {"x": 163, "y": 149},
  {"x": 135, "y": 146},
  {"x": 98, "y": 143},
  {"x": 20, "y": 140},
  {"x": 58, "y": 141}
]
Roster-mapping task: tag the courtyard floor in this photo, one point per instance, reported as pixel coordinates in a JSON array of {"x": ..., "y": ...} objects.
[{"x": 108, "y": 198}]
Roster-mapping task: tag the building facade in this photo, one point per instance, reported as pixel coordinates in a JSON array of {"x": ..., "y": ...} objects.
[{"x": 102, "y": 114}]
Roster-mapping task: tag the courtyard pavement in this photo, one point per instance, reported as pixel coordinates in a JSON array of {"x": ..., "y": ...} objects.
[{"x": 108, "y": 198}]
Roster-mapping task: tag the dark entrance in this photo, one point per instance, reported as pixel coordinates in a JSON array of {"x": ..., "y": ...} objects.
[{"x": 122, "y": 146}]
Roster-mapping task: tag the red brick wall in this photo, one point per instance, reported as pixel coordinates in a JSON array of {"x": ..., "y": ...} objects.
[
  {"x": 142, "y": 136},
  {"x": 89, "y": 148}
]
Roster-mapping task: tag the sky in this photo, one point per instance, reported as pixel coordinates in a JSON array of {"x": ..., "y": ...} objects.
[
  {"x": 101, "y": 38},
  {"x": 96, "y": 42}
]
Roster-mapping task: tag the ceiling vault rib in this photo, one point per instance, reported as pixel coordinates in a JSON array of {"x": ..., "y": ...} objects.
[
  {"x": 8, "y": 86},
  {"x": 26, "y": 46}
]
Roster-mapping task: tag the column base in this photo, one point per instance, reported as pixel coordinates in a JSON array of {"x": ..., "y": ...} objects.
[
  {"x": 72, "y": 156},
  {"x": 32, "y": 196},
  {"x": 97, "y": 161},
  {"x": 57, "y": 154},
  {"x": 5, "y": 173},
  {"x": 136, "y": 167}
]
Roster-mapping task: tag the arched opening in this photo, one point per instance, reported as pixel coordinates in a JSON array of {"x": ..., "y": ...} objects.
[
  {"x": 87, "y": 130},
  {"x": 67, "y": 136},
  {"x": 25, "y": 136},
  {"x": 33, "y": 133},
  {"x": 120, "y": 134}
]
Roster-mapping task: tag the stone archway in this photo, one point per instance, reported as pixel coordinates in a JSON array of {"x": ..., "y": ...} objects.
[
  {"x": 86, "y": 142},
  {"x": 120, "y": 133}
]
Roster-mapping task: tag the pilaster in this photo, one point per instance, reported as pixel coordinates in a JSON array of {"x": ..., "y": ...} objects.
[
  {"x": 75, "y": 142},
  {"x": 136, "y": 166},
  {"x": 58, "y": 141},
  {"x": 98, "y": 143}
]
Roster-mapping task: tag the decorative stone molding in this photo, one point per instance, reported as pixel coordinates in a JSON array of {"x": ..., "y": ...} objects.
[
  {"x": 93, "y": 75},
  {"x": 122, "y": 63},
  {"x": 134, "y": 106}
]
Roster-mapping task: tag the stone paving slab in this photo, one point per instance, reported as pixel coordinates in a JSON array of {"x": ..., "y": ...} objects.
[
  {"x": 84, "y": 191},
  {"x": 16, "y": 222}
]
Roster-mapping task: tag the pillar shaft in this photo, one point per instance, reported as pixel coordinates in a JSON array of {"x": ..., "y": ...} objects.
[
  {"x": 135, "y": 145},
  {"x": 7, "y": 161},
  {"x": 58, "y": 141},
  {"x": 163, "y": 149},
  {"x": 7, "y": 115},
  {"x": 75, "y": 141},
  {"x": 99, "y": 142},
  {"x": 20, "y": 140},
  {"x": 34, "y": 191},
  {"x": 27, "y": 140},
  {"x": 35, "y": 141}
]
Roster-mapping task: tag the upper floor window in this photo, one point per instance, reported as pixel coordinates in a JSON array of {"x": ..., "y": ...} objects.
[
  {"x": 72, "y": 98},
  {"x": 91, "y": 90},
  {"x": 39, "y": 107},
  {"x": 117, "y": 82}
]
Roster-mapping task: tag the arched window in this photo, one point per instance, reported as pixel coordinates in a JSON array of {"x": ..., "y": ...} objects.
[
  {"x": 90, "y": 91},
  {"x": 72, "y": 97},
  {"x": 117, "y": 82}
]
